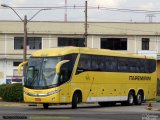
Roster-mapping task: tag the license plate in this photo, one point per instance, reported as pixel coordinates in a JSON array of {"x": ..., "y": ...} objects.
[{"x": 38, "y": 99}]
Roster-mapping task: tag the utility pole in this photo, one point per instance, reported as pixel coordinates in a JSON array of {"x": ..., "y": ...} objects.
[
  {"x": 150, "y": 16},
  {"x": 65, "y": 16},
  {"x": 25, "y": 38},
  {"x": 85, "y": 34},
  {"x": 25, "y": 21},
  {"x": 25, "y": 43}
]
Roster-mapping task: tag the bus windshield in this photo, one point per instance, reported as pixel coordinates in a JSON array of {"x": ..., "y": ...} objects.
[{"x": 41, "y": 72}]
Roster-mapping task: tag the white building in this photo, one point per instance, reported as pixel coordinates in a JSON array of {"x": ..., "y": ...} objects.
[{"x": 128, "y": 37}]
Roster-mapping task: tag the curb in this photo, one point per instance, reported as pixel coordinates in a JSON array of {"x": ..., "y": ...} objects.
[
  {"x": 4, "y": 103},
  {"x": 12, "y": 104},
  {"x": 34, "y": 104}
]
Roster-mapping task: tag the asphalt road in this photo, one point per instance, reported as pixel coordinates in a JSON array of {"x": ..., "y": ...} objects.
[{"x": 84, "y": 112}]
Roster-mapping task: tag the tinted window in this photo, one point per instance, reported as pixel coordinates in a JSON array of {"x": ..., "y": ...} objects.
[
  {"x": 123, "y": 65},
  {"x": 32, "y": 42},
  {"x": 114, "y": 43},
  {"x": 95, "y": 64},
  {"x": 79, "y": 42},
  {"x": 145, "y": 43},
  {"x": 152, "y": 65},
  {"x": 134, "y": 65},
  {"x": 18, "y": 42},
  {"x": 84, "y": 62},
  {"x": 116, "y": 64},
  {"x": 16, "y": 63},
  {"x": 110, "y": 63},
  {"x": 67, "y": 68},
  {"x": 101, "y": 63}
]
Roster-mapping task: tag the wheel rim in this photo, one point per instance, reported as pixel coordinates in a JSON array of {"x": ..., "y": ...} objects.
[
  {"x": 77, "y": 99},
  {"x": 139, "y": 98},
  {"x": 131, "y": 99}
]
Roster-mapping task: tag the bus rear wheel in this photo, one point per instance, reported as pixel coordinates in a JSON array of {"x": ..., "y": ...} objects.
[
  {"x": 139, "y": 98},
  {"x": 75, "y": 100},
  {"x": 45, "y": 105}
]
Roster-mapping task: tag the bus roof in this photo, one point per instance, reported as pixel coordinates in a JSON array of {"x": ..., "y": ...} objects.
[{"x": 59, "y": 51}]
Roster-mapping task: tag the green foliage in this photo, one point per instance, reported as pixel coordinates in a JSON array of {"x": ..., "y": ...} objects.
[
  {"x": 11, "y": 92},
  {"x": 2, "y": 88}
]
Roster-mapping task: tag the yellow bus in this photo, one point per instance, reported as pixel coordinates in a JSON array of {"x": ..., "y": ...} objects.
[{"x": 72, "y": 75}]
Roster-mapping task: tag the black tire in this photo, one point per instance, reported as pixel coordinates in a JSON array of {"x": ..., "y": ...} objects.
[
  {"x": 45, "y": 105},
  {"x": 75, "y": 100},
  {"x": 139, "y": 98},
  {"x": 130, "y": 100}
]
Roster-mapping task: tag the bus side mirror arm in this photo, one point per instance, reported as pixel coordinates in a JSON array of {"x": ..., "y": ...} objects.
[
  {"x": 20, "y": 66},
  {"x": 58, "y": 66}
]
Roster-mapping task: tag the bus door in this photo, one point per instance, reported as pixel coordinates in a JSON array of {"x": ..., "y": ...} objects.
[
  {"x": 83, "y": 75},
  {"x": 65, "y": 76},
  {"x": 64, "y": 84}
]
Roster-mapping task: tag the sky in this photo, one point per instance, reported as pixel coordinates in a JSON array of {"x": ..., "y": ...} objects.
[{"x": 78, "y": 14}]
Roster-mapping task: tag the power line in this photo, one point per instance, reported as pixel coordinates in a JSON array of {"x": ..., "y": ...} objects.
[
  {"x": 90, "y": 7},
  {"x": 125, "y": 10}
]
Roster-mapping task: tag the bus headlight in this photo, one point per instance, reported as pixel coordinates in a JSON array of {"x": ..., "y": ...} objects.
[
  {"x": 41, "y": 95},
  {"x": 30, "y": 94},
  {"x": 53, "y": 92}
]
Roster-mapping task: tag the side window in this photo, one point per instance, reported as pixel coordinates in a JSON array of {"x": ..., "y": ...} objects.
[
  {"x": 95, "y": 65},
  {"x": 138, "y": 65},
  {"x": 67, "y": 68},
  {"x": 123, "y": 64},
  {"x": 133, "y": 65},
  {"x": 84, "y": 62},
  {"x": 142, "y": 66},
  {"x": 146, "y": 66},
  {"x": 110, "y": 64},
  {"x": 101, "y": 63},
  {"x": 151, "y": 65}
]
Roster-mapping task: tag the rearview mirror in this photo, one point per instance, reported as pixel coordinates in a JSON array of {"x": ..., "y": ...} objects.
[
  {"x": 20, "y": 66},
  {"x": 58, "y": 66}
]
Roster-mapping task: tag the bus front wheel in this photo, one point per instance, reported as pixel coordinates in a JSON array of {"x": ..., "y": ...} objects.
[
  {"x": 130, "y": 100},
  {"x": 75, "y": 100}
]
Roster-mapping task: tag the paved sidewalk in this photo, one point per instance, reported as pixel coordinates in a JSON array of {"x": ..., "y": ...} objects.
[
  {"x": 3, "y": 103},
  {"x": 155, "y": 105}
]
